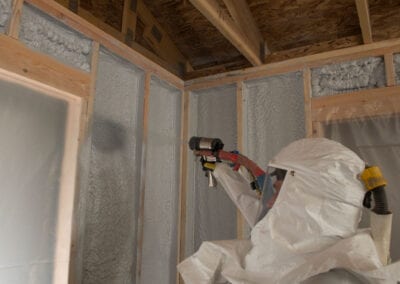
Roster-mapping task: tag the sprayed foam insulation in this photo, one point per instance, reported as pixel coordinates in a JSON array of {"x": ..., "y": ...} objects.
[
  {"x": 45, "y": 34},
  {"x": 273, "y": 115},
  {"x": 112, "y": 194},
  {"x": 211, "y": 215},
  {"x": 5, "y": 14},
  {"x": 345, "y": 77},
  {"x": 32, "y": 127},
  {"x": 161, "y": 191},
  {"x": 376, "y": 141},
  {"x": 396, "y": 59}
]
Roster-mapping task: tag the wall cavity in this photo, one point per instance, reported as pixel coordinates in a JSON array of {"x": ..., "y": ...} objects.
[
  {"x": 32, "y": 128},
  {"x": 396, "y": 58},
  {"x": 366, "y": 73},
  {"x": 5, "y": 14},
  {"x": 161, "y": 203},
  {"x": 211, "y": 215},
  {"x": 43, "y": 33},
  {"x": 110, "y": 197},
  {"x": 273, "y": 115}
]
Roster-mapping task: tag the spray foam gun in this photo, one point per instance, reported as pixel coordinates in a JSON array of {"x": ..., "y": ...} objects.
[{"x": 211, "y": 151}]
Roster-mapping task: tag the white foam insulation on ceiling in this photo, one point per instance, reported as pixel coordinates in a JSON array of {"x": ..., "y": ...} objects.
[
  {"x": 43, "y": 33},
  {"x": 273, "y": 115},
  {"x": 113, "y": 181},
  {"x": 396, "y": 59},
  {"x": 32, "y": 129},
  {"x": 366, "y": 73},
  {"x": 161, "y": 189},
  {"x": 5, "y": 14},
  {"x": 211, "y": 215}
]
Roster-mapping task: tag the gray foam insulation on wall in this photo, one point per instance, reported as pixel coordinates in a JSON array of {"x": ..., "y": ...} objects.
[
  {"x": 161, "y": 190},
  {"x": 32, "y": 127},
  {"x": 366, "y": 73},
  {"x": 396, "y": 59},
  {"x": 111, "y": 195},
  {"x": 5, "y": 14},
  {"x": 273, "y": 115},
  {"x": 42, "y": 33},
  {"x": 211, "y": 215}
]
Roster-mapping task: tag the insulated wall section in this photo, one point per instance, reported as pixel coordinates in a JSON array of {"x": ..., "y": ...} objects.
[
  {"x": 5, "y": 14},
  {"x": 211, "y": 214},
  {"x": 111, "y": 193},
  {"x": 161, "y": 188},
  {"x": 32, "y": 127},
  {"x": 273, "y": 115},
  {"x": 42, "y": 33}
]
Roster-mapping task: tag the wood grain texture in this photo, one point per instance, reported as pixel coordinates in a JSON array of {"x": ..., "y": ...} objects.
[{"x": 19, "y": 59}]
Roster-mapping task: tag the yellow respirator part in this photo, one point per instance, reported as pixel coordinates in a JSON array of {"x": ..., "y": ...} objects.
[{"x": 373, "y": 178}]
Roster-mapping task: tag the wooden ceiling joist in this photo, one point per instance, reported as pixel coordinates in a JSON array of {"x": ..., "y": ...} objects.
[
  {"x": 224, "y": 23},
  {"x": 242, "y": 16},
  {"x": 365, "y": 22}
]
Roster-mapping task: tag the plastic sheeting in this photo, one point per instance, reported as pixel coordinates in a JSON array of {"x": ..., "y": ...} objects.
[
  {"x": 32, "y": 128},
  {"x": 211, "y": 215},
  {"x": 43, "y": 33},
  {"x": 350, "y": 76},
  {"x": 311, "y": 229},
  {"x": 5, "y": 14},
  {"x": 377, "y": 141},
  {"x": 161, "y": 186},
  {"x": 110, "y": 191}
]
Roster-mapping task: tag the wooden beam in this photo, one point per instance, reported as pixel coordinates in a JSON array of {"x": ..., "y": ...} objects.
[
  {"x": 13, "y": 27},
  {"x": 243, "y": 18},
  {"x": 159, "y": 40},
  {"x": 296, "y": 64},
  {"x": 390, "y": 70},
  {"x": 307, "y": 101},
  {"x": 239, "y": 128},
  {"x": 129, "y": 20},
  {"x": 138, "y": 55},
  {"x": 142, "y": 190},
  {"x": 365, "y": 22},
  {"x": 183, "y": 180},
  {"x": 365, "y": 103},
  {"x": 19, "y": 59},
  {"x": 223, "y": 22}
]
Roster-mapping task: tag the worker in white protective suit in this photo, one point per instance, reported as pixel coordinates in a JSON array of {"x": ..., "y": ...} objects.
[{"x": 310, "y": 235}]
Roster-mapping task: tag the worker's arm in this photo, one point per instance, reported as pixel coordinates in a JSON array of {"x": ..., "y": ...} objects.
[
  {"x": 239, "y": 190},
  {"x": 381, "y": 228}
]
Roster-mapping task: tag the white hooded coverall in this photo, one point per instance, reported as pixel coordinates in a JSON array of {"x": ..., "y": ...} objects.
[{"x": 311, "y": 233}]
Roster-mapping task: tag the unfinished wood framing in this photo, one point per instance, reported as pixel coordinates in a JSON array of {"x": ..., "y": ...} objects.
[
  {"x": 142, "y": 191},
  {"x": 365, "y": 103},
  {"x": 389, "y": 70},
  {"x": 365, "y": 22},
  {"x": 155, "y": 65},
  {"x": 19, "y": 59},
  {"x": 183, "y": 180},
  {"x": 241, "y": 14},
  {"x": 291, "y": 65},
  {"x": 239, "y": 112},
  {"x": 222, "y": 21},
  {"x": 13, "y": 28},
  {"x": 307, "y": 100}
]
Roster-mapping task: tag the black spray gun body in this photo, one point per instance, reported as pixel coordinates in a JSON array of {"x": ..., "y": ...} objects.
[{"x": 211, "y": 151}]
